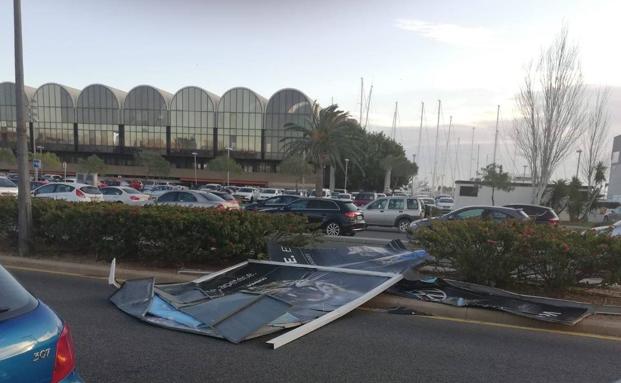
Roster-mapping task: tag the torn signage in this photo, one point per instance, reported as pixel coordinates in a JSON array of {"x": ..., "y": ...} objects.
[
  {"x": 252, "y": 299},
  {"x": 464, "y": 294},
  {"x": 393, "y": 257}
]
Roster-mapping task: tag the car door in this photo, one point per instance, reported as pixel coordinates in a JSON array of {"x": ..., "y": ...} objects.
[
  {"x": 46, "y": 191},
  {"x": 320, "y": 210},
  {"x": 64, "y": 192},
  {"x": 413, "y": 208},
  {"x": 469, "y": 213},
  {"x": 168, "y": 198},
  {"x": 374, "y": 212},
  {"x": 396, "y": 207},
  {"x": 186, "y": 199}
]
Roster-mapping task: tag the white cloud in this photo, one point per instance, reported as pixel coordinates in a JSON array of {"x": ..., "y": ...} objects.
[{"x": 448, "y": 33}]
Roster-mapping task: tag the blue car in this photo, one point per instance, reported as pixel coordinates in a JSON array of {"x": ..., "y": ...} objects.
[{"x": 35, "y": 344}]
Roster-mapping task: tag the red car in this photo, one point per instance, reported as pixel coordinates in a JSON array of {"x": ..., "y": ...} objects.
[
  {"x": 364, "y": 198},
  {"x": 136, "y": 184}
]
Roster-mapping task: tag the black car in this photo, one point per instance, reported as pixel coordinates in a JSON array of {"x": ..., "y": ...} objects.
[
  {"x": 495, "y": 213},
  {"x": 333, "y": 216},
  {"x": 272, "y": 203},
  {"x": 540, "y": 214}
]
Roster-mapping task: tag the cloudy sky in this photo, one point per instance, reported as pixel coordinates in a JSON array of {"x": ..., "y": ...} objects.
[{"x": 469, "y": 54}]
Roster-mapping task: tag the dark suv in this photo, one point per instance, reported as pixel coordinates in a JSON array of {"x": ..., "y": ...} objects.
[
  {"x": 540, "y": 214},
  {"x": 333, "y": 216}
]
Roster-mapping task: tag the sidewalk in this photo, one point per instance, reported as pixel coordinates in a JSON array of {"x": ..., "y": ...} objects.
[{"x": 595, "y": 325}]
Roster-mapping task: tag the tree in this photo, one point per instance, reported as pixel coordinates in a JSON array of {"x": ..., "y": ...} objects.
[
  {"x": 155, "y": 164},
  {"x": 577, "y": 199},
  {"x": 7, "y": 156},
  {"x": 396, "y": 166},
  {"x": 494, "y": 177},
  {"x": 222, "y": 163},
  {"x": 551, "y": 112},
  {"x": 296, "y": 166},
  {"x": 594, "y": 140},
  {"x": 48, "y": 159},
  {"x": 325, "y": 138},
  {"x": 558, "y": 194},
  {"x": 595, "y": 189},
  {"x": 92, "y": 165}
]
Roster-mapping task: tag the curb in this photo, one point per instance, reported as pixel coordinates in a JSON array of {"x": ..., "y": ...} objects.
[
  {"x": 594, "y": 325},
  {"x": 601, "y": 325}
]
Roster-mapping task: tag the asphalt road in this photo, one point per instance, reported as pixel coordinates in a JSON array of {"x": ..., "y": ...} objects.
[
  {"x": 387, "y": 233},
  {"x": 361, "y": 347}
]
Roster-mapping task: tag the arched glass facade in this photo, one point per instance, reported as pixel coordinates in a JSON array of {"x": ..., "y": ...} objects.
[
  {"x": 98, "y": 113},
  {"x": 53, "y": 116},
  {"x": 145, "y": 116},
  {"x": 8, "y": 113},
  {"x": 286, "y": 105},
  {"x": 240, "y": 122},
  {"x": 192, "y": 121}
]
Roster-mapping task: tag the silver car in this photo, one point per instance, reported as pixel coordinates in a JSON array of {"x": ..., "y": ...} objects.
[
  {"x": 191, "y": 198},
  {"x": 393, "y": 211}
]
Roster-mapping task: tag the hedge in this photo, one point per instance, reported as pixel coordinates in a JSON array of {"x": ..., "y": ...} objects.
[
  {"x": 155, "y": 234},
  {"x": 510, "y": 253}
]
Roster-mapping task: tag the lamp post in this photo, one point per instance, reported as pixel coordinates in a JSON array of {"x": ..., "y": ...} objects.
[
  {"x": 228, "y": 159},
  {"x": 194, "y": 154},
  {"x": 346, "y": 165},
  {"x": 579, "y": 151}
]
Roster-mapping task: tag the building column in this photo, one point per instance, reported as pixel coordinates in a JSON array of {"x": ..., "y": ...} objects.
[
  {"x": 31, "y": 129},
  {"x": 168, "y": 141},
  {"x": 121, "y": 138},
  {"x": 75, "y": 137}
]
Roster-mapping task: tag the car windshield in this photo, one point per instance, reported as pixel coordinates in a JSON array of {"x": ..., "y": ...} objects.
[
  {"x": 130, "y": 191},
  {"x": 90, "y": 190},
  {"x": 365, "y": 196},
  {"x": 7, "y": 183},
  {"x": 245, "y": 190},
  {"x": 13, "y": 297}
]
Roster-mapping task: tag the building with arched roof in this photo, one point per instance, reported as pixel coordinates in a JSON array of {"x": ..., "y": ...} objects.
[
  {"x": 53, "y": 117},
  {"x": 193, "y": 123},
  {"x": 240, "y": 125},
  {"x": 98, "y": 114},
  {"x": 145, "y": 118},
  {"x": 285, "y": 106},
  {"x": 8, "y": 112}
]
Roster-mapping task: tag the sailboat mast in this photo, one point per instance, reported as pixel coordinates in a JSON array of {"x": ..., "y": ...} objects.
[
  {"x": 471, "y": 153},
  {"x": 496, "y": 135},
  {"x": 420, "y": 129},
  {"x": 361, "y": 98},
  {"x": 435, "y": 153},
  {"x": 446, "y": 150},
  {"x": 394, "y": 121},
  {"x": 366, "y": 119},
  {"x": 457, "y": 160}
]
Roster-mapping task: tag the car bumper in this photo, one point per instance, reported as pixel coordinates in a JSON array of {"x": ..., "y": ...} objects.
[{"x": 353, "y": 227}]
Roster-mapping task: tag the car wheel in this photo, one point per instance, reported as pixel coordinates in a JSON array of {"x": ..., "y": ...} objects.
[
  {"x": 333, "y": 229},
  {"x": 403, "y": 224}
]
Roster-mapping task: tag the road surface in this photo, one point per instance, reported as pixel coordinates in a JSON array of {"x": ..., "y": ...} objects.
[{"x": 363, "y": 346}]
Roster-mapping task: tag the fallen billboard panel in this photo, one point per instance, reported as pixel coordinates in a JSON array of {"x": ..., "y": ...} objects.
[
  {"x": 463, "y": 294},
  {"x": 252, "y": 299}
]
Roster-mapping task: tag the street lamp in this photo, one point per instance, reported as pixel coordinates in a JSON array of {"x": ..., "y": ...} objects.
[
  {"x": 579, "y": 151},
  {"x": 228, "y": 158},
  {"x": 194, "y": 154},
  {"x": 346, "y": 165}
]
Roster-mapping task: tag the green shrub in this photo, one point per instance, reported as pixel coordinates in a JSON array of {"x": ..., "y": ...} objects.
[
  {"x": 155, "y": 234},
  {"x": 506, "y": 253}
]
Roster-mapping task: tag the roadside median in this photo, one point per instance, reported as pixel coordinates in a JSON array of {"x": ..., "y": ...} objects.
[{"x": 595, "y": 325}]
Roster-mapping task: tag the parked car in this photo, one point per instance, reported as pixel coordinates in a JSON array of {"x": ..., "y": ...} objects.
[
  {"x": 191, "y": 198},
  {"x": 37, "y": 184},
  {"x": 343, "y": 196},
  {"x": 393, "y": 211},
  {"x": 247, "y": 194},
  {"x": 72, "y": 192},
  {"x": 612, "y": 215},
  {"x": 334, "y": 217},
  {"x": 136, "y": 184},
  {"x": 124, "y": 194},
  {"x": 272, "y": 203},
  {"x": 210, "y": 187},
  {"x": 495, "y": 213},
  {"x": 7, "y": 187},
  {"x": 158, "y": 190},
  {"x": 325, "y": 193},
  {"x": 381, "y": 195},
  {"x": 35, "y": 344},
  {"x": 364, "y": 198},
  {"x": 229, "y": 200},
  {"x": 445, "y": 203},
  {"x": 52, "y": 178},
  {"x": 268, "y": 193},
  {"x": 539, "y": 214},
  {"x": 613, "y": 230}
]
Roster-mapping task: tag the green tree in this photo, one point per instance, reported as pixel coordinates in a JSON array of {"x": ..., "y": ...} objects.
[
  {"x": 48, "y": 160},
  {"x": 155, "y": 164},
  {"x": 558, "y": 195},
  {"x": 597, "y": 183},
  {"x": 222, "y": 163},
  {"x": 295, "y": 166},
  {"x": 397, "y": 166},
  {"x": 577, "y": 199},
  {"x": 92, "y": 165},
  {"x": 325, "y": 138},
  {"x": 7, "y": 156},
  {"x": 494, "y": 177}
]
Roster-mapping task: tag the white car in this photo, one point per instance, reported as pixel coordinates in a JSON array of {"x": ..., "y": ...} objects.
[
  {"x": 614, "y": 230},
  {"x": 269, "y": 193},
  {"x": 158, "y": 190},
  {"x": 247, "y": 194},
  {"x": 7, "y": 187},
  {"x": 124, "y": 194},
  {"x": 73, "y": 192},
  {"x": 445, "y": 203}
]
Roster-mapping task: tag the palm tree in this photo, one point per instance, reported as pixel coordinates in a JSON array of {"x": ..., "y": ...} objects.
[{"x": 325, "y": 138}]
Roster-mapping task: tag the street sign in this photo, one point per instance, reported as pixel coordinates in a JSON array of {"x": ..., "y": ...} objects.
[{"x": 36, "y": 164}]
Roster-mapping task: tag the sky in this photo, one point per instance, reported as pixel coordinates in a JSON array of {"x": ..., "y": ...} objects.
[{"x": 470, "y": 55}]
